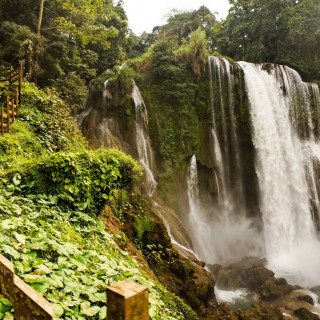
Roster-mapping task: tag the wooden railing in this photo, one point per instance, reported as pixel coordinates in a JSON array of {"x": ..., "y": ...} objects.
[
  {"x": 28, "y": 304},
  {"x": 126, "y": 300},
  {"x": 12, "y": 83}
]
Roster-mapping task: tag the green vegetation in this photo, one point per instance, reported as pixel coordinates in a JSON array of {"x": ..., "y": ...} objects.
[
  {"x": 52, "y": 191},
  {"x": 68, "y": 256},
  {"x": 65, "y": 45},
  {"x": 285, "y": 32}
]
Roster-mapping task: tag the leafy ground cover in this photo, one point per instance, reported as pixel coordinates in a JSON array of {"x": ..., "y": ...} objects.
[
  {"x": 68, "y": 256},
  {"x": 52, "y": 189}
]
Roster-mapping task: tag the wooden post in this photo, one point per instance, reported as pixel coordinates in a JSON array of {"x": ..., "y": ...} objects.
[
  {"x": 17, "y": 102},
  {"x": 28, "y": 304},
  {"x": 8, "y": 114},
  {"x": 2, "y": 132},
  {"x": 127, "y": 300},
  {"x": 20, "y": 85},
  {"x": 10, "y": 76},
  {"x": 12, "y": 110}
]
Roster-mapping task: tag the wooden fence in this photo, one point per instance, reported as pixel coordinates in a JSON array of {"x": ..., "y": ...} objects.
[
  {"x": 127, "y": 300},
  {"x": 11, "y": 83},
  {"x": 28, "y": 304}
]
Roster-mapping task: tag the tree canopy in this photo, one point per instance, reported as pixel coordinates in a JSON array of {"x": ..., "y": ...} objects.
[
  {"x": 67, "y": 43},
  {"x": 281, "y": 31}
]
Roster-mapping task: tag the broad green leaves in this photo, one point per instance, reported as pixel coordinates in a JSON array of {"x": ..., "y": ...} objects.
[
  {"x": 86, "y": 21},
  {"x": 68, "y": 257},
  {"x": 82, "y": 180}
]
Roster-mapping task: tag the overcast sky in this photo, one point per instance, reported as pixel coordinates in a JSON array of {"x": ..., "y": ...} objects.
[{"x": 143, "y": 15}]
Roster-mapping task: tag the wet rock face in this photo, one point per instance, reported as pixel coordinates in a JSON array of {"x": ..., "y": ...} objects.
[
  {"x": 316, "y": 290},
  {"x": 260, "y": 311},
  {"x": 274, "y": 288},
  {"x": 306, "y": 298},
  {"x": 305, "y": 314},
  {"x": 249, "y": 273},
  {"x": 203, "y": 280},
  {"x": 275, "y": 296}
]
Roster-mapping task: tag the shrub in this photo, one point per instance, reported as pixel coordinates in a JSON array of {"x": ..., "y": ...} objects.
[{"x": 84, "y": 180}]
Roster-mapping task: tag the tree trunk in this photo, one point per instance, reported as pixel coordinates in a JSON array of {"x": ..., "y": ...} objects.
[
  {"x": 37, "y": 46},
  {"x": 40, "y": 17},
  {"x": 28, "y": 58}
]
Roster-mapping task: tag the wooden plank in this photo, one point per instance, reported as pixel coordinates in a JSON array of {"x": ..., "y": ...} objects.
[{"x": 17, "y": 98}]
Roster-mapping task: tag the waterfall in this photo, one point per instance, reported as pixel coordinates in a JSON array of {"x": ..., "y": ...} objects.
[
  {"x": 221, "y": 76},
  {"x": 217, "y": 236},
  {"x": 144, "y": 149},
  {"x": 198, "y": 226},
  {"x": 105, "y": 92},
  {"x": 284, "y": 142}
]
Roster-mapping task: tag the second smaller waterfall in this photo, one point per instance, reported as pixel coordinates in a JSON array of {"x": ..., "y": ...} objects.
[{"x": 144, "y": 149}]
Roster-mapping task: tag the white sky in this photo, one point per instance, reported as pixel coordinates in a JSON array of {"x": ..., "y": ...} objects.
[{"x": 143, "y": 15}]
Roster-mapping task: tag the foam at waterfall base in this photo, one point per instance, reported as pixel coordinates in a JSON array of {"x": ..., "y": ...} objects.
[
  {"x": 300, "y": 265},
  {"x": 231, "y": 239},
  {"x": 238, "y": 299}
]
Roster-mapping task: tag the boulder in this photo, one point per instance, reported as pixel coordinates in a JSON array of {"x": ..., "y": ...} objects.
[
  {"x": 316, "y": 290},
  {"x": 306, "y": 298},
  {"x": 249, "y": 273},
  {"x": 305, "y": 314},
  {"x": 274, "y": 288},
  {"x": 260, "y": 311}
]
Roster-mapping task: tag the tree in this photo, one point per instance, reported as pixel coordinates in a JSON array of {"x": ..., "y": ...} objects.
[
  {"x": 300, "y": 47},
  {"x": 252, "y": 30},
  {"x": 281, "y": 31}
]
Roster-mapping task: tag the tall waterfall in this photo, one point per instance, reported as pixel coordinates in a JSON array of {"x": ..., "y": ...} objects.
[
  {"x": 223, "y": 233},
  {"x": 145, "y": 152},
  {"x": 225, "y": 136},
  {"x": 282, "y": 122},
  {"x": 285, "y": 151}
]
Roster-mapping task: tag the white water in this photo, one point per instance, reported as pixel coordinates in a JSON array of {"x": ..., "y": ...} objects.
[
  {"x": 217, "y": 237},
  {"x": 290, "y": 238},
  {"x": 105, "y": 92},
  {"x": 217, "y": 64},
  {"x": 227, "y": 154},
  {"x": 144, "y": 149},
  {"x": 229, "y": 296}
]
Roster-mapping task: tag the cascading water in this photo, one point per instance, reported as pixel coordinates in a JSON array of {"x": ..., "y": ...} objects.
[
  {"x": 221, "y": 233},
  {"x": 216, "y": 235},
  {"x": 282, "y": 136},
  {"x": 104, "y": 129},
  {"x": 196, "y": 221},
  {"x": 145, "y": 152},
  {"x": 223, "y": 106},
  {"x": 286, "y": 165}
]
